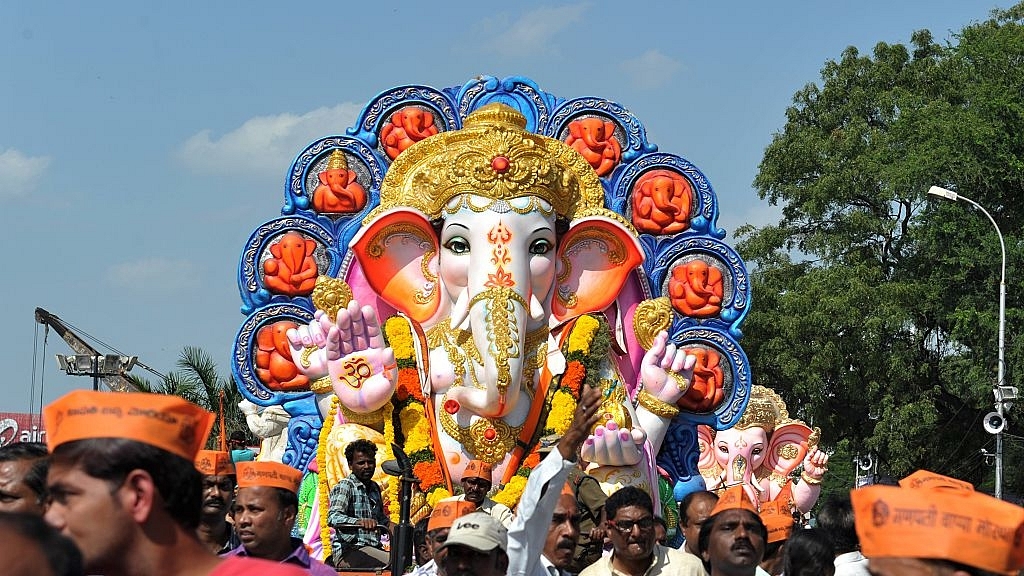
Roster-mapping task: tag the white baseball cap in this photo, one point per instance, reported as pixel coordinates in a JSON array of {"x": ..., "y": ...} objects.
[{"x": 479, "y": 531}]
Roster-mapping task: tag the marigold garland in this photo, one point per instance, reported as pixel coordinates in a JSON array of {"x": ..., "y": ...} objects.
[
  {"x": 560, "y": 417},
  {"x": 512, "y": 492},
  {"x": 321, "y": 461},
  {"x": 412, "y": 423},
  {"x": 437, "y": 495}
]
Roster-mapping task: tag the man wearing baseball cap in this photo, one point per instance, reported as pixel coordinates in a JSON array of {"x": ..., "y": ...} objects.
[
  {"x": 476, "y": 483},
  {"x": 935, "y": 525},
  {"x": 477, "y": 545},
  {"x": 218, "y": 490},
  {"x": 264, "y": 512},
  {"x": 125, "y": 489}
]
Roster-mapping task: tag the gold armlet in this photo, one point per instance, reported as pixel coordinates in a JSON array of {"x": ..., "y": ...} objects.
[
  {"x": 364, "y": 418},
  {"x": 655, "y": 406}
]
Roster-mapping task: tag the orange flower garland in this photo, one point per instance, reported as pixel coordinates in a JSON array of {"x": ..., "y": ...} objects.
[{"x": 412, "y": 424}]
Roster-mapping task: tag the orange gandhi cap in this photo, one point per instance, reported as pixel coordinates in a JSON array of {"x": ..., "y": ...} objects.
[
  {"x": 270, "y": 474},
  {"x": 161, "y": 420},
  {"x": 214, "y": 463},
  {"x": 734, "y": 497},
  {"x": 958, "y": 525},
  {"x": 778, "y": 520},
  {"x": 446, "y": 511},
  {"x": 926, "y": 479},
  {"x": 478, "y": 469}
]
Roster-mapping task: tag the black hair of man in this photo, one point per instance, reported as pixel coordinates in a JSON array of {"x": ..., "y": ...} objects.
[
  {"x": 836, "y": 519},
  {"x": 35, "y": 479},
  {"x": 684, "y": 505},
  {"x": 61, "y": 553},
  {"x": 808, "y": 553},
  {"x": 112, "y": 459},
  {"x": 361, "y": 446},
  {"x": 705, "y": 530},
  {"x": 627, "y": 496},
  {"x": 287, "y": 498}
]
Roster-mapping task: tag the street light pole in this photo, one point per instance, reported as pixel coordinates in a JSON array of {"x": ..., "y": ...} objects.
[{"x": 1000, "y": 382}]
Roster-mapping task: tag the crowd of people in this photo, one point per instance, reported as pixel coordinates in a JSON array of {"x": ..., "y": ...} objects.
[{"x": 123, "y": 487}]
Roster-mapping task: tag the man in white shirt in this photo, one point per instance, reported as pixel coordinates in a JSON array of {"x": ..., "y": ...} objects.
[
  {"x": 836, "y": 519},
  {"x": 476, "y": 483},
  {"x": 544, "y": 515},
  {"x": 629, "y": 522}
]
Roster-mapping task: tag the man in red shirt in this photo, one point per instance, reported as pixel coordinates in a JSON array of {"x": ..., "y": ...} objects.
[{"x": 124, "y": 487}]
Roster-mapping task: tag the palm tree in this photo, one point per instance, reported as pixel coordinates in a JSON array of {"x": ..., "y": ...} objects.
[{"x": 197, "y": 381}]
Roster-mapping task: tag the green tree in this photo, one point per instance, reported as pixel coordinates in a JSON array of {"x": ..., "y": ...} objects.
[
  {"x": 875, "y": 308},
  {"x": 197, "y": 381}
]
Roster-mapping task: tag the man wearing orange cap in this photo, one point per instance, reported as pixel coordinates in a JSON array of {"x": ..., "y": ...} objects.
[
  {"x": 124, "y": 487},
  {"x": 264, "y": 511},
  {"x": 218, "y": 488},
  {"x": 629, "y": 514},
  {"x": 476, "y": 483},
  {"x": 936, "y": 525},
  {"x": 441, "y": 519},
  {"x": 733, "y": 538}
]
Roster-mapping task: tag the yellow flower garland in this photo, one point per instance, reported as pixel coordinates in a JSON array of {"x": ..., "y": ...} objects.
[{"x": 321, "y": 460}]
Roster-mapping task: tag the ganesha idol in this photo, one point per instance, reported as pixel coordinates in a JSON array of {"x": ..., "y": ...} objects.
[
  {"x": 492, "y": 242},
  {"x": 493, "y": 272},
  {"x": 762, "y": 451}
]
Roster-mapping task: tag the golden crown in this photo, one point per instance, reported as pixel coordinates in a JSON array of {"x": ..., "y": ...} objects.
[
  {"x": 766, "y": 409},
  {"x": 494, "y": 156},
  {"x": 337, "y": 161}
]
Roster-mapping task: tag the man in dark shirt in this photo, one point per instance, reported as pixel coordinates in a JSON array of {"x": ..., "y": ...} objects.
[
  {"x": 356, "y": 500},
  {"x": 264, "y": 511},
  {"x": 218, "y": 488}
]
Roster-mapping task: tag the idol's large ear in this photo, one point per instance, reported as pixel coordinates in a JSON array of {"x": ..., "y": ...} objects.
[
  {"x": 787, "y": 448},
  {"x": 595, "y": 257},
  {"x": 398, "y": 256}
]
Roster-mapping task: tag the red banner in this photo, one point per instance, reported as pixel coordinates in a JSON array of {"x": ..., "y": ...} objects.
[{"x": 20, "y": 427}]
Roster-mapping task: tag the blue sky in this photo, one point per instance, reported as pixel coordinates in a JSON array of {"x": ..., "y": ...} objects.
[{"x": 141, "y": 143}]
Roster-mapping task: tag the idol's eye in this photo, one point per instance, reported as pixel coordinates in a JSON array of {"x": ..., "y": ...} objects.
[
  {"x": 457, "y": 245},
  {"x": 540, "y": 246}
]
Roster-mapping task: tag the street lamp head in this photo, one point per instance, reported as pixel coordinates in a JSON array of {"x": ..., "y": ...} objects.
[{"x": 940, "y": 191}]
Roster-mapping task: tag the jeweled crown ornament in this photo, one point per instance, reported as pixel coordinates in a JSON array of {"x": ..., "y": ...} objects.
[
  {"x": 337, "y": 161},
  {"x": 766, "y": 409},
  {"x": 493, "y": 156}
]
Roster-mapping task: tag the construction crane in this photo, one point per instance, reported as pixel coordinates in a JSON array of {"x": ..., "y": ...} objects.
[{"x": 87, "y": 361}]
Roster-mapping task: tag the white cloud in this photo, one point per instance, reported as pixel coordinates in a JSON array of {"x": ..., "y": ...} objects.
[
  {"x": 155, "y": 276},
  {"x": 532, "y": 32},
  {"x": 650, "y": 70},
  {"x": 20, "y": 173},
  {"x": 265, "y": 145}
]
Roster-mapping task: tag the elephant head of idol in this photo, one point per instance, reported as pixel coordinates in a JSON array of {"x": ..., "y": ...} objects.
[{"x": 489, "y": 235}]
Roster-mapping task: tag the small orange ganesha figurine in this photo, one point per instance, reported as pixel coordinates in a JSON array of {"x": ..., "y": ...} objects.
[
  {"x": 594, "y": 138},
  {"x": 338, "y": 190},
  {"x": 661, "y": 202},
  {"x": 695, "y": 289},
  {"x": 274, "y": 365},
  {"x": 407, "y": 127},
  {"x": 707, "y": 387},
  {"x": 292, "y": 269}
]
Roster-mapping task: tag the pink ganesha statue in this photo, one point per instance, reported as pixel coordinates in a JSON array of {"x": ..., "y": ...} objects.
[
  {"x": 494, "y": 246},
  {"x": 761, "y": 452}
]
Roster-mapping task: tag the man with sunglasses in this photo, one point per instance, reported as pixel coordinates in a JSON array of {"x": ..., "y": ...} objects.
[
  {"x": 630, "y": 522},
  {"x": 476, "y": 483}
]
